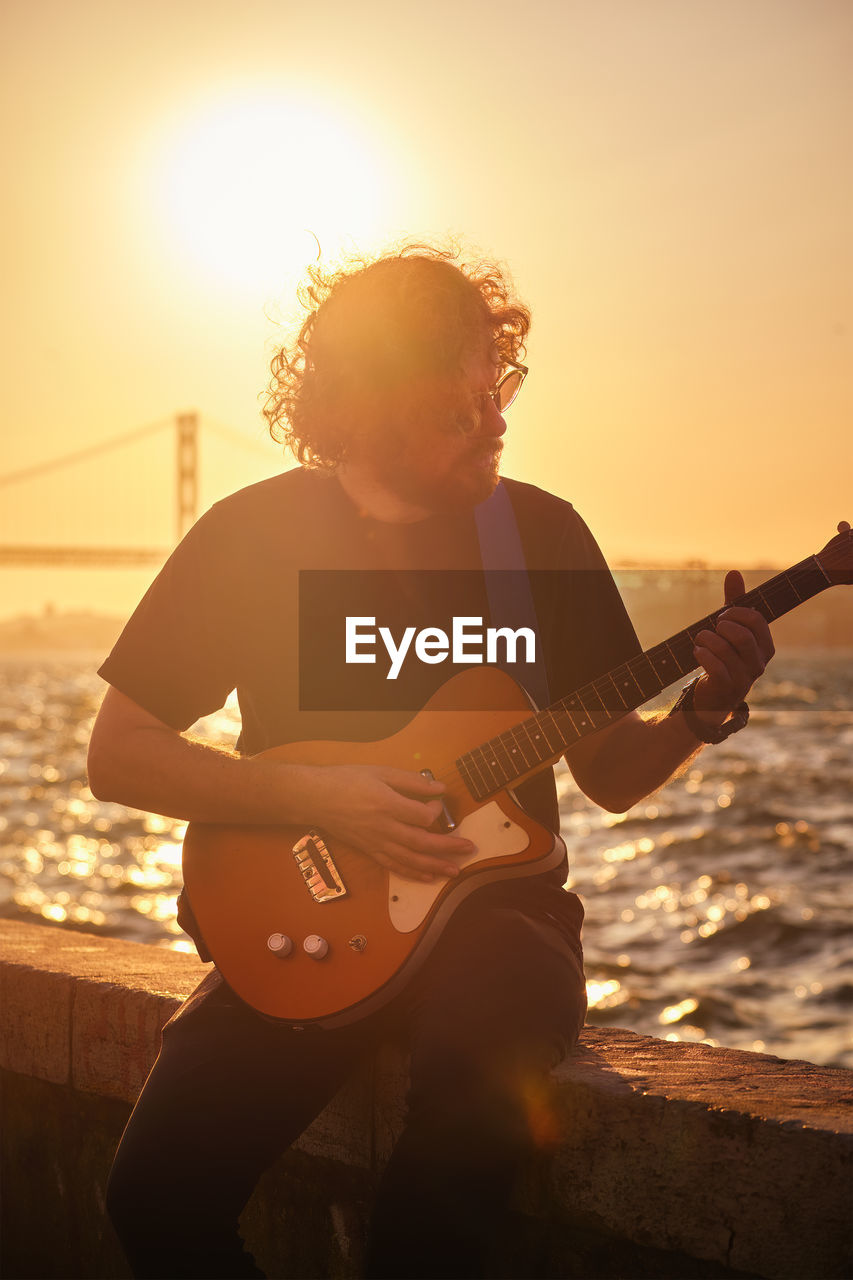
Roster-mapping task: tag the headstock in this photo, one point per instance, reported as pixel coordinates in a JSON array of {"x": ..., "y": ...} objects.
[{"x": 836, "y": 559}]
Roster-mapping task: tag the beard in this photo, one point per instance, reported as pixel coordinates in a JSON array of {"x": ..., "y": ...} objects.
[{"x": 468, "y": 477}]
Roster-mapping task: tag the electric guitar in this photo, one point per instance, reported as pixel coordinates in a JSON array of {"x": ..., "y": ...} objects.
[{"x": 310, "y": 931}]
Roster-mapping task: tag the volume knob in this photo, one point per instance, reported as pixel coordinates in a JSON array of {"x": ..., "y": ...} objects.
[
  {"x": 315, "y": 946},
  {"x": 280, "y": 944}
]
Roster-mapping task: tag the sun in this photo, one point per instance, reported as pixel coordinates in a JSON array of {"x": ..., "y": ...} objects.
[{"x": 253, "y": 183}]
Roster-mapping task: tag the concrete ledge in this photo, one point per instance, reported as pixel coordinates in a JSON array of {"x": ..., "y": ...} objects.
[
  {"x": 740, "y": 1157},
  {"x": 671, "y": 1159}
]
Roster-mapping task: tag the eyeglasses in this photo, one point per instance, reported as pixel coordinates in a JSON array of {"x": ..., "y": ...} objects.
[
  {"x": 502, "y": 395},
  {"x": 508, "y": 386}
]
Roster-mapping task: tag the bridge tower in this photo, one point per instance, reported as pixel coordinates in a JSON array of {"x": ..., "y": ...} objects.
[{"x": 186, "y": 472}]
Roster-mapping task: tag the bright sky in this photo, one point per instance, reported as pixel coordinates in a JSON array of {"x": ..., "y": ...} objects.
[{"x": 670, "y": 184}]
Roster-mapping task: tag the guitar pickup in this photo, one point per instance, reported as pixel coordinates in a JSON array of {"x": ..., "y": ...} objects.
[
  {"x": 445, "y": 819},
  {"x": 319, "y": 872}
]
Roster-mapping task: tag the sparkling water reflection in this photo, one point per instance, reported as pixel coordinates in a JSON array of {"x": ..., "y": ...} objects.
[{"x": 718, "y": 910}]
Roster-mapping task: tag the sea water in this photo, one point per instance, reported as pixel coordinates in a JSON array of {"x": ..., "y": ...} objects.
[{"x": 717, "y": 910}]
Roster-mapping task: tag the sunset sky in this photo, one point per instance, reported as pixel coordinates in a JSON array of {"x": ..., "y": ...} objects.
[{"x": 669, "y": 182}]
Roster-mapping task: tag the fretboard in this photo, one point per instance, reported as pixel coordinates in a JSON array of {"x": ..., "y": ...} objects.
[{"x": 541, "y": 739}]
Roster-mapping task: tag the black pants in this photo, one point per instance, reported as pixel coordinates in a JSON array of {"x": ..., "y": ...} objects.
[{"x": 496, "y": 1006}]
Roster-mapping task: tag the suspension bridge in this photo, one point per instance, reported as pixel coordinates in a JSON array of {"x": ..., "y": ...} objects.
[{"x": 55, "y": 499}]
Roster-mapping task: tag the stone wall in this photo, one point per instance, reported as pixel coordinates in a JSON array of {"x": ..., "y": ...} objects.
[{"x": 674, "y": 1160}]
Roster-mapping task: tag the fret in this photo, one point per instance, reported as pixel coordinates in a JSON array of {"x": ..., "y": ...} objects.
[
  {"x": 546, "y": 725},
  {"x": 519, "y": 758},
  {"x": 506, "y": 747},
  {"x": 493, "y": 765},
  {"x": 812, "y": 580},
  {"x": 571, "y": 732},
  {"x": 610, "y": 696},
  {"x": 487, "y": 780},
  {"x": 644, "y": 675},
  {"x": 664, "y": 665},
  {"x": 780, "y": 596},
  {"x": 815, "y": 574},
  {"x": 681, "y": 648},
  {"x": 594, "y": 702},
  {"x": 580, "y": 715},
  {"x": 793, "y": 588},
  {"x": 466, "y": 767},
  {"x": 806, "y": 579},
  {"x": 536, "y": 744},
  {"x": 479, "y": 764},
  {"x": 502, "y": 758},
  {"x": 628, "y": 685},
  {"x": 773, "y": 598},
  {"x": 539, "y": 741},
  {"x": 542, "y": 721},
  {"x": 786, "y": 590},
  {"x": 786, "y": 586},
  {"x": 465, "y": 773}
]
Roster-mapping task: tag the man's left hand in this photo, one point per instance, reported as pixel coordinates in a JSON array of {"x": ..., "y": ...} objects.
[{"x": 733, "y": 656}]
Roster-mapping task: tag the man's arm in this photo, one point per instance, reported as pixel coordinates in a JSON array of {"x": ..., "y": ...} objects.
[
  {"x": 138, "y": 760},
  {"x": 620, "y": 765}
]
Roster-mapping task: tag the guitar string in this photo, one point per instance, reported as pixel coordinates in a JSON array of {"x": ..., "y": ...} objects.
[{"x": 605, "y": 684}]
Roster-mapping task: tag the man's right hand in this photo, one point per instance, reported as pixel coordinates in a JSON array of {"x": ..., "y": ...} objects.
[
  {"x": 385, "y": 813},
  {"x": 136, "y": 759}
]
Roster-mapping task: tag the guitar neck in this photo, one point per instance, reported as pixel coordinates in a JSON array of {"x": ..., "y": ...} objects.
[{"x": 540, "y": 740}]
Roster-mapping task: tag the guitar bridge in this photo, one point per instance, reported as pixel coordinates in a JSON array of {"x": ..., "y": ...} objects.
[{"x": 318, "y": 869}]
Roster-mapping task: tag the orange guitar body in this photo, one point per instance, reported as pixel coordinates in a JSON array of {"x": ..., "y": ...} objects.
[{"x": 254, "y": 889}]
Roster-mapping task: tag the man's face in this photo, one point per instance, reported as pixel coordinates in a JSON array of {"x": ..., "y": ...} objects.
[{"x": 443, "y": 466}]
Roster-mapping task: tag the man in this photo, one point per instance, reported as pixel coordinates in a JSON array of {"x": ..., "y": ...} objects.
[{"x": 391, "y": 397}]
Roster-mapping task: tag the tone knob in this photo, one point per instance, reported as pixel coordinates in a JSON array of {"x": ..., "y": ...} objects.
[
  {"x": 315, "y": 946},
  {"x": 280, "y": 944}
]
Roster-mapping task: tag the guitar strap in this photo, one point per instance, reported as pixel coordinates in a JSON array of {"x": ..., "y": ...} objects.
[{"x": 507, "y": 581}]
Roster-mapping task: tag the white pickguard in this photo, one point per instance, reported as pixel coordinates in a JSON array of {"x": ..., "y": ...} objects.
[{"x": 493, "y": 835}]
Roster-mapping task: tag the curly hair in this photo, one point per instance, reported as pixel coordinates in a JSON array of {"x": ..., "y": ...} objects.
[{"x": 383, "y": 342}]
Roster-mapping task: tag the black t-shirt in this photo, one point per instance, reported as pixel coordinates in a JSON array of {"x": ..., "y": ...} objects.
[{"x": 223, "y": 614}]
